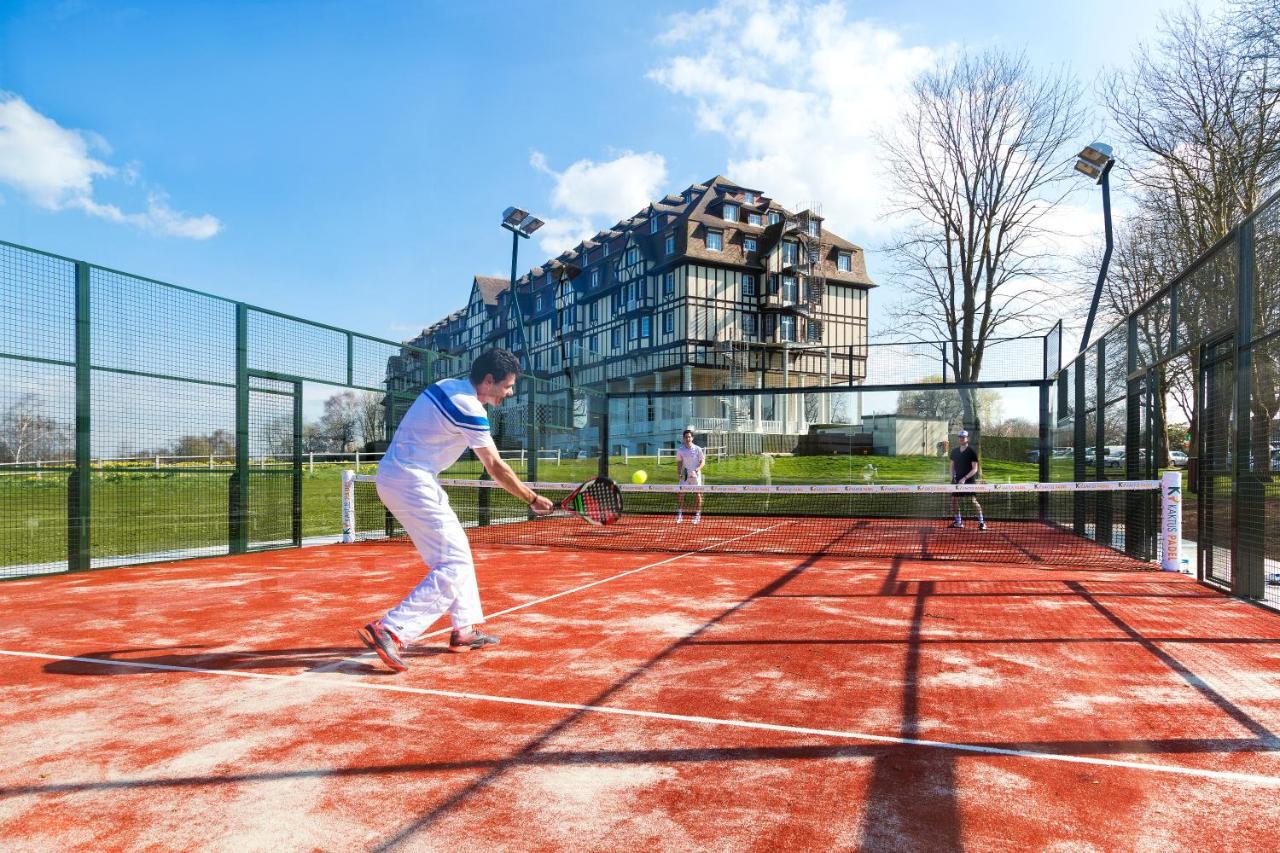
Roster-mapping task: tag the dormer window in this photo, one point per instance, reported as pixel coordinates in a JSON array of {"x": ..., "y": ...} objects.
[
  {"x": 790, "y": 252},
  {"x": 844, "y": 262},
  {"x": 655, "y": 223},
  {"x": 633, "y": 255},
  {"x": 749, "y": 244},
  {"x": 671, "y": 244},
  {"x": 750, "y": 198},
  {"x": 755, "y": 219},
  {"x": 715, "y": 240},
  {"x": 595, "y": 279},
  {"x": 606, "y": 250},
  {"x": 731, "y": 213},
  {"x": 537, "y": 303},
  {"x": 774, "y": 217},
  {"x": 813, "y": 227}
]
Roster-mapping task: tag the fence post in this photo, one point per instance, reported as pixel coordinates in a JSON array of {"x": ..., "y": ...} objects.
[
  {"x": 78, "y": 493},
  {"x": 238, "y": 509},
  {"x": 1248, "y": 511},
  {"x": 532, "y": 437}
]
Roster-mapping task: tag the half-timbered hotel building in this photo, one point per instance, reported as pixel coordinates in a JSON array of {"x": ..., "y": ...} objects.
[{"x": 718, "y": 287}]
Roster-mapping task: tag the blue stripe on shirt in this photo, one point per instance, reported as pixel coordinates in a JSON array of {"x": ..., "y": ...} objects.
[{"x": 450, "y": 410}]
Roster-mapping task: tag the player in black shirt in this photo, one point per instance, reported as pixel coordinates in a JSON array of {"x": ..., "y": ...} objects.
[{"x": 965, "y": 469}]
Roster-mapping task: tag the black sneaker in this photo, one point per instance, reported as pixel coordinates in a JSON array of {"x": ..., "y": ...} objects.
[
  {"x": 385, "y": 643},
  {"x": 982, "y": 525},
  {"x": 470, "y": 638}
]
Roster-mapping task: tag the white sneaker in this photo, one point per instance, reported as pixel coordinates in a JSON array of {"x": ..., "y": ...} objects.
[
  {"x": 697, "y": 519},
  {"x": 679, "y": 517}
]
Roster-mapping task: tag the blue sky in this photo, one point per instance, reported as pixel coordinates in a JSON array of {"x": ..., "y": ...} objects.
[{"x": 348, "y": 162}]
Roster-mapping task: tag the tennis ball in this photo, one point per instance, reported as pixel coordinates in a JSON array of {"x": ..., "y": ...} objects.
[{"x": 639, "y": 477}]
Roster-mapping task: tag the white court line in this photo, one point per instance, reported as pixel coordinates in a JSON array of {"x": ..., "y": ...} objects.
[
  {"x": 335, "y": 666},
  {"x": 349, "y": 684}
]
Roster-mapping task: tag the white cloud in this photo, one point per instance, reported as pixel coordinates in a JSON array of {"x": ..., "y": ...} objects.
[
  {"x": 55, "y": 168},
  {"x": 799, "y": 92},
  {"x": 588, "y": 196}
]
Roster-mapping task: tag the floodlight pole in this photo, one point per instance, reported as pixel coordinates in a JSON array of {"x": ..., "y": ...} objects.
[
  {"x": 1104, "y": 179},
  {"x": 515, "y": 301}
]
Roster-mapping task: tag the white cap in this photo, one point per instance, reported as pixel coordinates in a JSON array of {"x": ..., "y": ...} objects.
[{"x": 964, "y": 433}]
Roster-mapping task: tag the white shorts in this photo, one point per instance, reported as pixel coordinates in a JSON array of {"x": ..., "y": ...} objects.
[
  {"x": 422, "y": 508},
  {"x": 692, "y": 478}
]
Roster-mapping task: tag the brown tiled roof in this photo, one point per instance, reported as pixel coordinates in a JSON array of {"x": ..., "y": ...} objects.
[{"x": 490, "y": 288}]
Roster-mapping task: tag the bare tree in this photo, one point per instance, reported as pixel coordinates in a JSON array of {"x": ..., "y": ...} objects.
[
  {"x": 1205, "y": 112},
  {"x": 341, "y": 420},
  {"x": 1202, "y": 112},
  {"x": 372, "y": 418},
  {"x": 27, "y": 434},
  {"x": 978, "y": 165}
]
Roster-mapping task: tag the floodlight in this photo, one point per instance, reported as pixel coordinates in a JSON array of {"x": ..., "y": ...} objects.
[
  {"x": 513, "y": 216},
  {"x": 532, "y": 224}
]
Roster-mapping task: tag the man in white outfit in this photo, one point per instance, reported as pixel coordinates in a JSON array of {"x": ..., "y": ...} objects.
[
  {"x": 690, "y": 458},
  {"x": 446, "y": 419}
]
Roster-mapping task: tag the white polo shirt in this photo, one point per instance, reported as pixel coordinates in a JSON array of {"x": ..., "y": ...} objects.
[
  {"x": 442, "y": 423},
  {"x": 689, "y": 459}
]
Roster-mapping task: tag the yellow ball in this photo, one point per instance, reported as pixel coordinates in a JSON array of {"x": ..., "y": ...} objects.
[{"x": 639, "y": 477}]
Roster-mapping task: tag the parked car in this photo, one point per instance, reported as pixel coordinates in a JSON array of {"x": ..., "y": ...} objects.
[{"x": 1177, "y": 459}]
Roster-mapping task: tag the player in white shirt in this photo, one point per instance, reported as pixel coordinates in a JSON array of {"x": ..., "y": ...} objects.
[
  {"x": 446, "y": 419},
  {"x": 690, "y": 458}
]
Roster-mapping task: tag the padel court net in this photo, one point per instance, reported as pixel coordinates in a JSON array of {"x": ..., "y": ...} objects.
[{"x": 1068, "y": 524}]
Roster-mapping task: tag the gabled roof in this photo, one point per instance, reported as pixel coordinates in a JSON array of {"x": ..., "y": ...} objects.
[{"x": 491, "y": 288}]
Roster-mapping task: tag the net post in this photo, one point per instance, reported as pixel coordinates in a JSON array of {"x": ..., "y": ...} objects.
[
  {"x": 348, "y": 506},
  {"x": 1171, "y": 521}
]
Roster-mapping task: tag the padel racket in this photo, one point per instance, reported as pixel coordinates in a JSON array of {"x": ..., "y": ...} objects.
[{"x": 597, "y": 502}]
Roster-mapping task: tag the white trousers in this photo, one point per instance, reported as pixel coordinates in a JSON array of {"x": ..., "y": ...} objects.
[{"x": 422, "y": 508}]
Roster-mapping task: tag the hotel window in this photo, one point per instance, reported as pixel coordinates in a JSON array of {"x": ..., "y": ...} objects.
[
  {"x": 671, "y": 244},
  {"x": 813, "y": 332},
  {"x": 593, "y": 344},
  {"x": 555, "y": 358},
  {"x": 748, "y": 325},
  {"x": 537, "y": 304},
  {"x": 787, "y": 327},
  {"x": 844, "y": 262},
  {"x": 750, "y": 198},
  {"x": 654, "y": 224},
  {"x": 595, "y": 279},
  {"x": 668, "y": 322},
  {"x": 813, "y": 227},
  {"x": 633, "y": 255},
  {"x": 615, "y": 337},
  {"x": 633, "y": 329},
  {"x": 669, "y": 284},
  {"x": 790, "y": 253},
  {"x": 594, "y": 312},
  {"x": 606, "y": 250},
  {"x": 749, "y": 244},
  {"x": 715, "y": 240},
  {"x": 790, "y": 289},
  {"x": 731, "y": 213},
  {"x": 773, "y": 285},
  {"x": 748, "y": 285},
  {"x": 755, "y": 219},
  {"x": 774, "y": 217},
  {"x": 644, "y": 327}
]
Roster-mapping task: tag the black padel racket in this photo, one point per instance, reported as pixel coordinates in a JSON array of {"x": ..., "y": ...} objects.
[{"x": 597, "y": 501}]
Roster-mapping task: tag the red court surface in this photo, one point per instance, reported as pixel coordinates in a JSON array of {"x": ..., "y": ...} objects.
[{"x": 639, "y": 701}]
